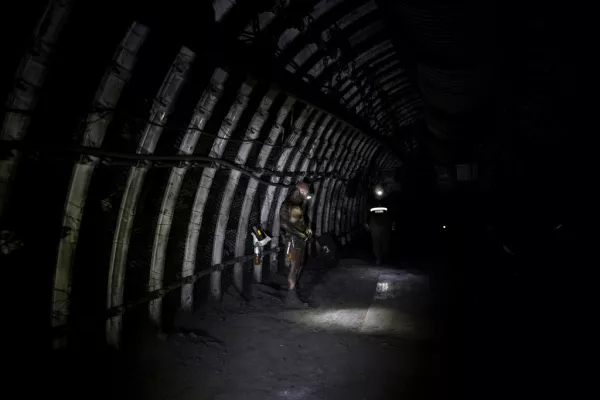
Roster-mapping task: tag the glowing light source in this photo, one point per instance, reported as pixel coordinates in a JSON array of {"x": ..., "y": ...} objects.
[
  {"x": 383, "y": 286},
  {"x": 443, "y": 226},
  {"x": 378, "y": 210},
  {"x": 308, "y": 197}
]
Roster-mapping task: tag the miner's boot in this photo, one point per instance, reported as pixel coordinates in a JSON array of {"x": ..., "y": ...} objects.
[{"x": 293, "y": 301}]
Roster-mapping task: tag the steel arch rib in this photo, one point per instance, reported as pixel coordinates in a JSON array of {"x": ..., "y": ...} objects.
[
  {"x": 309, "y": 164},
  {"x": 347, "y": 172},
  {"x": 202, "y": 192},
  {"x": 30, "y": 77},
  {"x": 252, "y": 133},
  {"x": 321, "y": 195},
  {"x": 314, "y": 169},
  {"x": 340, "y": 201},
  {"x": 338, "y": 159},
  {"x": 161, "y": 108},
  {"x": 107, "y": 97},
  {"x": 202, "y": 113},
  {"x": 263, "y": 156},
  {"x": 322, "y": 213},
  {"x": 334, "y": 165},
  {"x": 281, "y": 162},
  {"x": 356, "y": 165}
]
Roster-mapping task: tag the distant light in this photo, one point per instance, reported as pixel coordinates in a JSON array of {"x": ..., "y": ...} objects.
[
  {"x": 308, "y": 197},
  {"x": 378, "y": 210},
  {"x": 443, "y": 226},
  {"x": 383, "y": 286},
  {"x": 379, "y": 192}
]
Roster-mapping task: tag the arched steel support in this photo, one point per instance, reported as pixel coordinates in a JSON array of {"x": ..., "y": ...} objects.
[
  {"x": 29, "y": 78},
  {"x": 315, "y": 168},
  {"x": 202, "y": 114},
  {"x": 107, "y": 95},
  {"x": 323, "y": 187},
  {"x": 251, "y": 134},
  {"x": 191, "y": 244},
  {"x": 161, "y": 108},
  {"x": 330, "y": 201},
  {"x": 280, "y": 165},
  {"x": 263, "y": 156},
  {"x": 335, "y": 164}
]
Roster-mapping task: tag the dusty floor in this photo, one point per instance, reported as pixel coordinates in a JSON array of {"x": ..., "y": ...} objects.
[{"x": 367, "y": 335}]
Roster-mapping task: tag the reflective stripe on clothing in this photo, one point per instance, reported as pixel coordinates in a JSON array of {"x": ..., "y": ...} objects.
[{"x": 379, "y": 210}]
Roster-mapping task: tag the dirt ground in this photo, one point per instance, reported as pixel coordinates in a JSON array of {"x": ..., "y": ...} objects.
[{"x": 367, "y": 335}]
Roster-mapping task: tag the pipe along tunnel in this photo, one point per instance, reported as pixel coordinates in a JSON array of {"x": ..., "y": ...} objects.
[{"x": 143, "y": 145}]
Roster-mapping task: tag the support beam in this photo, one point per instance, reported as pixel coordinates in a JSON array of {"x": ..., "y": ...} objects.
[
  {"x": 339, "y": 41},
  {"x": 282, "y": 161},
  {"x": 327, "y": 166},
  {"x": 364, "y": 52},
  {"x": 263, "y": 156},
  {"x": 384, "y": 59},
  {"x": 314, "y": 169},
  {"x": 29, "y": 79},
  {"x": 280, "y": 165},
  {"x": 195, "y": 224},
  {"x": 203, "y": 112},
  {"x": 341, "y": 196},
  {"x": 353, "y": 166},
  {"x": 161, "y": 108},
  {"x": 347, "y": 84},
  {"x": 252, "y": 132},
  {"x": 313, "y": 33},
  {"x": 335, "y": 166},
  {"x": 107, "y": 96}
]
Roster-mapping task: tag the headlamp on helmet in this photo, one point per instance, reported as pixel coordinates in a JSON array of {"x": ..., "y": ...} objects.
[{"x": 304, "y": 190}]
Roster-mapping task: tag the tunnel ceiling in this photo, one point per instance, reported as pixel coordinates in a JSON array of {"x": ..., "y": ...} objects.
[{"x": 340, "y": 47}]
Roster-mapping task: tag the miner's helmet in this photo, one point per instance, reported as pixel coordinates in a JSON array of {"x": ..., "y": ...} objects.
[
  {"x": 304, "y": 190},
  {"x": 378, "y": 191}
]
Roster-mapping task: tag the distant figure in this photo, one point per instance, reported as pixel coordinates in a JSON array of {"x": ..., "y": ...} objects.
[
  {"x": 379, "y": 223},
  {"x": 295, "y": 233}
]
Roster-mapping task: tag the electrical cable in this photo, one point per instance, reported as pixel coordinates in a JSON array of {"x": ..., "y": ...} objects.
[
  {"x": 154, "y": 160},
  {"x": 106, "y": 111},
  {"x": 166, "y": 127}
]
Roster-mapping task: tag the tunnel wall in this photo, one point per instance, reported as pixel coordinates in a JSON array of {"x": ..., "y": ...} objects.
[{"x": 137, "y": 225}]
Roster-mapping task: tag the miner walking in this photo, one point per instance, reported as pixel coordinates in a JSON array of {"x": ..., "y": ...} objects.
[
  {"x": 380, "y": 223},
  {"x": 295, "y": 234}
]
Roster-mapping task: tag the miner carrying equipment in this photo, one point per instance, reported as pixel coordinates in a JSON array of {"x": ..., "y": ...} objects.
[{"x": 296, "y": 233}]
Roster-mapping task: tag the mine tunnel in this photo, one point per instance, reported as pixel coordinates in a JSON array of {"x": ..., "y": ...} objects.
[{"x": 151, "y": 153}]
